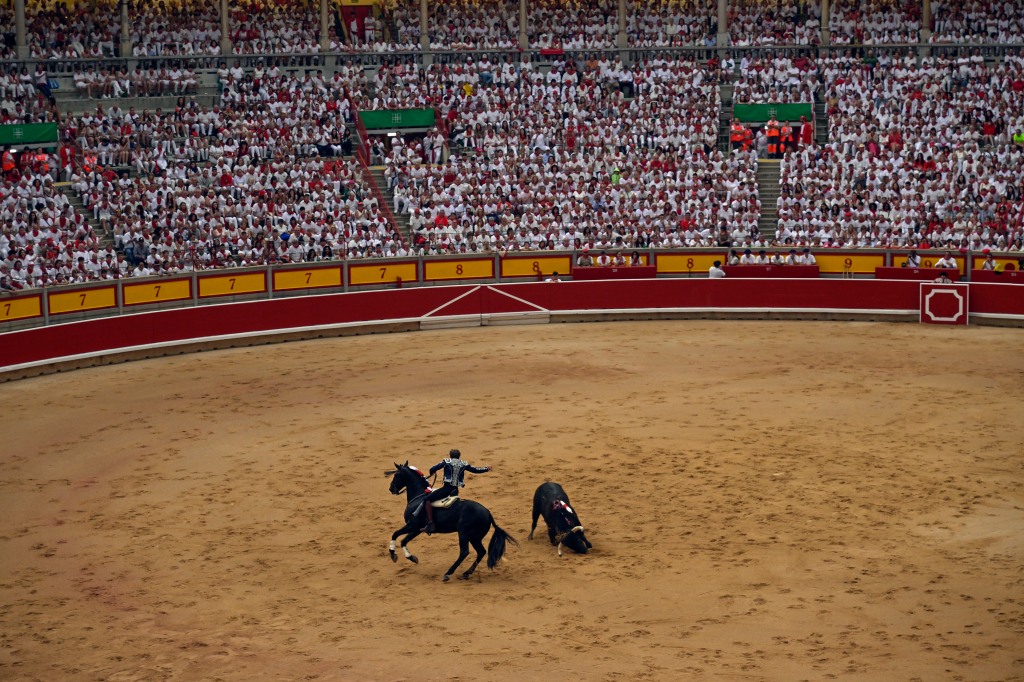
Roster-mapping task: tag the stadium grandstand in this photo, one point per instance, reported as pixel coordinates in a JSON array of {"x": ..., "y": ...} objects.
[{"x": 146, "y": 139}]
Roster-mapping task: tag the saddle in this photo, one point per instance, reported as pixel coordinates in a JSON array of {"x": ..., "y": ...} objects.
[{"x": 445, "y": 503}]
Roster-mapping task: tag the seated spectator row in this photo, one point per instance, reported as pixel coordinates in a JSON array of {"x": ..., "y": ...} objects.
[
  {"x": 783, "y": 22},
  {"x": 101, "y": 83},
  {"x": 193, "y": 27},
  {"x": 182, "y": 28},
  {"x": 976, "y": 21}
]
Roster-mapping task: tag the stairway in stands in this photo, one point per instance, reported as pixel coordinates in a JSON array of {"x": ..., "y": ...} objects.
[
  {"x": 725, "y": 118},
  {"x": 820, "y": 124},
  {"x": 768, "y": 192},
  {"x": 106, "y": 237},
  {"x": 401, "y": 219}
]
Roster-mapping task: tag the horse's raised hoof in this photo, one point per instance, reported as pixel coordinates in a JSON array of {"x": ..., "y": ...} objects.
[
  {"x": 446, "y": 578},
  {"x": 394, "y": 557},
  {"x": 412, "y": 558}
]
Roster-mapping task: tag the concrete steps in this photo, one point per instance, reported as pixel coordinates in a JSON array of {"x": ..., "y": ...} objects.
[
  {"x": 768, "y": 191},
  {"x": 69, "y": 101},
  {"x": 401, "y": 220},
  {"x": 820, "y": 124},
  {"x": 78, "y": 105},
  {"x": 76, "y": 202},
  {"x": 725, "y": 117}
]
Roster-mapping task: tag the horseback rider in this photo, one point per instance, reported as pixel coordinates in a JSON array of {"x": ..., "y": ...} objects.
[{"x": 455, "y": 469}]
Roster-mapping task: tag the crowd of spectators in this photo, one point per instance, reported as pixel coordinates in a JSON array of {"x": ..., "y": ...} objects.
[
  {"x": 459, "y": 25},
  {"x": 25, "y": 97},
  {"x": 974, "y": 21},
  {"x": 275, "y": 134},
  {"x": 586, "y": 155},
  {"x": 89, "y": 30},
  {"x": 43, "y": 240},
  {"x": 671, "y": 24},
  {"x": 774, "y": 22},
  {"x": 241, "y": 211},
  {"x": 579, "y": 25},
  {"x": 179, "y": 29},
  {"x": 99, "y": 82},
  {"x": 875, "y": 22},
  {"x": 919, "y": 155},
  {"x": 278, "y": 26},
  {"x": 781, "y": 79},
  {"x": 193, "y": 27},
  {"x": 565, "y": 159}
]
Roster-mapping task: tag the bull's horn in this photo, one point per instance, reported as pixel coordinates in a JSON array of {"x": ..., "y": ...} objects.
[
  {"x": 577, "y": 529},
  {"x": 559, "y": 549}
]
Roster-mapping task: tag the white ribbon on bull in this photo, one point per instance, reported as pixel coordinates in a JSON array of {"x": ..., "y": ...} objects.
[{"x": 561, "y": 537}]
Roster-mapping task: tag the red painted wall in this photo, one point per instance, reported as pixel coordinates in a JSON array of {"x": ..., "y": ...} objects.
[{"x": 182, "y": 324}]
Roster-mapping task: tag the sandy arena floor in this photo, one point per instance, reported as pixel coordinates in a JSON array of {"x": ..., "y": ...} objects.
[{"x": 768, "y": 501}]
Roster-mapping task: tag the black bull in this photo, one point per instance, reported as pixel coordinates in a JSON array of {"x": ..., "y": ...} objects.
[{"x": 564, "y": 527}]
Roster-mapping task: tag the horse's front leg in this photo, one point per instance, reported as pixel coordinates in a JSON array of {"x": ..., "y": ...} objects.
[
  {"x": 409, "y": 533},
  {"x": 405, "y": 550}
]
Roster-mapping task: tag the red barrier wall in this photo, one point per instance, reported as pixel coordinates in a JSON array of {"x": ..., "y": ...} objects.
[{"x": 417, "y": 305}]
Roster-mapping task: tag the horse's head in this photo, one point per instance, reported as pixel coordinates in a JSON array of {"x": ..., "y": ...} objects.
[
  {"x": 406, "y": 476},
  {"x": 397, "y": 480}
]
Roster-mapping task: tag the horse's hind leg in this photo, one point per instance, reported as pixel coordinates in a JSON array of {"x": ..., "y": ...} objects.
[
  {"x": 463, "y": 553},
  {"x": 478, "y": 545}
]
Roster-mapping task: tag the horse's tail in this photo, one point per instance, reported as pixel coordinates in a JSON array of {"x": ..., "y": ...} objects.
[{"x": 496, "y": 547}]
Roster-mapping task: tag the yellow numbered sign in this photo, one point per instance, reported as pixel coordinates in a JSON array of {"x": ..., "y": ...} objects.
[
  {"x": 381, "y": 273},
  {"x": 307, "y": 279},
  {"x": 688, "y": 263},
  {"x": 232, "y": 285},
  {"x": 478, "y": 268},
  {"x": 534, "y": 267},
  {"x": 20, "y": 308},
  {"x": 157, "y": 292},
  {"x": 82, "y": 299},
  {"x": 840, "y": 263}
]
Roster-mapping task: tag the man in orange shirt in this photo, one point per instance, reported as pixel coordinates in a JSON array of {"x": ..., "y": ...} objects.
[
  {"x": 772, "y": 133},
  {"x": 736, "y": 134}
]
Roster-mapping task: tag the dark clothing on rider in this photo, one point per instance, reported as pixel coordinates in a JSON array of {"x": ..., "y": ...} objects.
[
  {"x": 454, "y": 473},
  {"x": 455, "y": 470}
]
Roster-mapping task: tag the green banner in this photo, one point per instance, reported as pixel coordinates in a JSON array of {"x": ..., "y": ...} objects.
[
  {"x": 764, "y": 112},
  {"x": 28, "y": 133},
  {"x": 397, "y": 118}
]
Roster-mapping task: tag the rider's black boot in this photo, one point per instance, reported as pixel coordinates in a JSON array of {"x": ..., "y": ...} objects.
[{"x": 430, "y": 519}]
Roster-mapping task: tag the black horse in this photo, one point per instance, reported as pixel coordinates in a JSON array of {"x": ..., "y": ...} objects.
[{"x": 471, "y": 520}]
